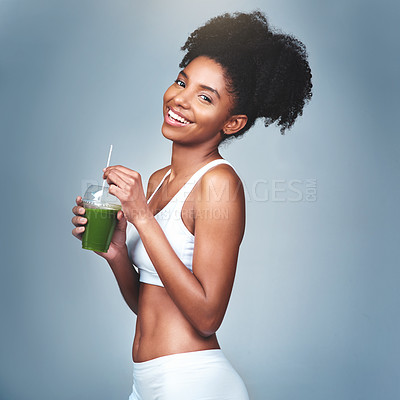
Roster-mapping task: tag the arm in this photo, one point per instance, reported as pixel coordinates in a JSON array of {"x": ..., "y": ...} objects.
[
  {"x": 126, "y": 276},
  {"x": 219, "y": 226},
  {"x": 202, "y": 296},
  {"x": 127, "y": 279}
]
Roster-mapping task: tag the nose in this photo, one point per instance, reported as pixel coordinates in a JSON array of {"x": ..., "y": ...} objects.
[{"x": 182, "y": 99}]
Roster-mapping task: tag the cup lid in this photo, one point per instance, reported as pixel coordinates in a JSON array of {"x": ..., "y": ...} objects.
[{"x": 96, "y": 197}]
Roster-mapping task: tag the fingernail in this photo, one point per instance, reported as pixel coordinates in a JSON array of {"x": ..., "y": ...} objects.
[
  {"x": 83, "y": 220},
  {"x": 104, "y": 169}
]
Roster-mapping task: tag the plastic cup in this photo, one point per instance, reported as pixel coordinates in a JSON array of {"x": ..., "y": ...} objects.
[{"x": 101, "y": 210}]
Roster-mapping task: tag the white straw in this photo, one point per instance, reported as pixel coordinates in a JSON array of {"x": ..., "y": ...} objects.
[{"x": 108, "y": 164}]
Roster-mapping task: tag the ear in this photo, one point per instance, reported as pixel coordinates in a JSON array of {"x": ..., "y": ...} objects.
[{"x": 234, "y": 124}]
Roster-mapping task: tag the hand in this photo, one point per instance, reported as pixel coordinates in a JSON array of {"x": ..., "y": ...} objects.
[
  {"x": 117, "y": 245},
  {"x": 79, "y": 220},
  {"x": 126, "y": 184}
]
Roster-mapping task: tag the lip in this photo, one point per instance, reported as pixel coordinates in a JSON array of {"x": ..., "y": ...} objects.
[
  {"x": 173, "y": 122},
  {"x": 178, "y": 113}
]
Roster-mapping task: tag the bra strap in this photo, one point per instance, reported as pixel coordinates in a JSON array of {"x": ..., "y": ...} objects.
[{"x": 159, "y": 185}]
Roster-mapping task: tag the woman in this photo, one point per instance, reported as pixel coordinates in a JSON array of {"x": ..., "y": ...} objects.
[{"x": 184, "y": 234}]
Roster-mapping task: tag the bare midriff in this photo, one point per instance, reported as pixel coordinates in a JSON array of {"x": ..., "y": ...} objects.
[{"x": 161, "y": 328}]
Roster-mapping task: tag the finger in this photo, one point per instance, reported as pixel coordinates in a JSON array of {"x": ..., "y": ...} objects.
[
  {"x": 128, "y": 178},
  {"x": 116, "y": 191},
  {"x": 78, "y": 210},
  {"x": 122, "y": 169},
  {"x": 120, "y": 215},
  {"x": 79, "y": 201},
  {"x": 79, "y": 221},
  {"x": 77, "y": 232},
  {"x": 122, "y": 222},
  {"x": 118, "y": 178}
]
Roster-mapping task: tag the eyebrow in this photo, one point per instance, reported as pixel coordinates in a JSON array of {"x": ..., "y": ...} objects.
[{"x": 203, "y": 86}]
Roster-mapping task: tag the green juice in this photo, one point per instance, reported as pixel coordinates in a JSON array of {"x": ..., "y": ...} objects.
[{"x": 99, "y": 228}]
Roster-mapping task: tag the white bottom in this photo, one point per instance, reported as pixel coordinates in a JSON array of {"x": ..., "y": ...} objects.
[{"x": 197, "y": 375}]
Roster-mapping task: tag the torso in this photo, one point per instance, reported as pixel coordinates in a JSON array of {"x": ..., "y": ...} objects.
[{"x": 161, "y": 328}]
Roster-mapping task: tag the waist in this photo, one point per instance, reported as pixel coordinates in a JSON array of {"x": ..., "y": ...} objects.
[
  {"x": 161, "y": 328},
  {"x": 189, "y": 356}
]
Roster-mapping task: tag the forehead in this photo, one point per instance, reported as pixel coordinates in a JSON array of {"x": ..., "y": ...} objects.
[{"x": 205, "y": 71}]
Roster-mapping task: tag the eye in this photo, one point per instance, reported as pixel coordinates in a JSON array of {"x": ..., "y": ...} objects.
[
  {"x": 206, "y": 98},
  {"x": 180, "y": 82}
]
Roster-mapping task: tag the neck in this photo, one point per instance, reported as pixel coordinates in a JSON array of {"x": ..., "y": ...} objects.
[{"x": 187, "y": 160}]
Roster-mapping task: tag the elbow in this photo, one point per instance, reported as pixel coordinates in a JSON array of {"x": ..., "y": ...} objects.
[
  {"x": 206, "y": 332},
  {"x": 207, "y": 327}
]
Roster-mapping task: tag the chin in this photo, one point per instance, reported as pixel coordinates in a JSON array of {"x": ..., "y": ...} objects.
[
  {"x": 174, "y": 136},
  {"x": 166, "y": 132}
]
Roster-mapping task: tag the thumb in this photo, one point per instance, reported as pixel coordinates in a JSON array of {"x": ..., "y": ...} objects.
[{"x": 122, "y": 221}]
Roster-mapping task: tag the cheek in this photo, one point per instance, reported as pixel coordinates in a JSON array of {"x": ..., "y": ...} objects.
[
  {"x": 216, "y": 119},
  {"x": 168, "y": 94}
]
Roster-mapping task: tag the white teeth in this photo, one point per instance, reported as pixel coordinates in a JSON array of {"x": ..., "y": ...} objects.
[{"x": 177, "y": 117}]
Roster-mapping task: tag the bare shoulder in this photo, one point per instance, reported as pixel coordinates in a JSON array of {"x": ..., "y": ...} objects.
[
  {"x": 220, "y": 207},
  {"x": 221, "y": 183},
  {"x": 155, "y": 179}
]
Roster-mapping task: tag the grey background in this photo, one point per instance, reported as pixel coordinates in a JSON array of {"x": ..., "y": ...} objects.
[{"x": 313, "y": 314}]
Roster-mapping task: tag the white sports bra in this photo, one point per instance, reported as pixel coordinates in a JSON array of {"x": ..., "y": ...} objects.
[{"x": 170, "y": 220}]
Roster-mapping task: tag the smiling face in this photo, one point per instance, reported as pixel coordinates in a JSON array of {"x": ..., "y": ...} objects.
[{"x": 197, "y": 105}]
